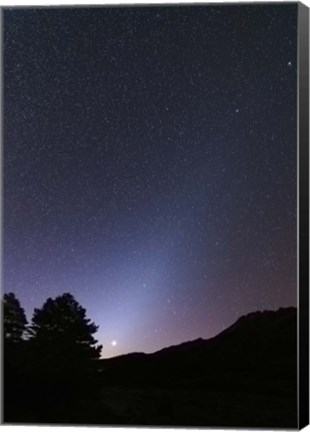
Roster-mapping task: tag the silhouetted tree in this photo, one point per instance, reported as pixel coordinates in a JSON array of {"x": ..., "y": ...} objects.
[
  {"x": 61, "y": 326},
  {"x": 64, "y": 353},
  {"x": 14, "y": 355},
  {"x": 14, "y": 319},
  {"x": 14, "y": 327}
]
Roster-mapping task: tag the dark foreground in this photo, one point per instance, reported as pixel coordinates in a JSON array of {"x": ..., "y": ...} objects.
[{"x": 244, "y": 377}]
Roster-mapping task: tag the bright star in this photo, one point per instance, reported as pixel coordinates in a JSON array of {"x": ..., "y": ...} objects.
[{"x": 114, "y": 343}]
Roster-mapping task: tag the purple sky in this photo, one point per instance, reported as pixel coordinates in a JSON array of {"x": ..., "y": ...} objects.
[{"x": 150, "y": 165}]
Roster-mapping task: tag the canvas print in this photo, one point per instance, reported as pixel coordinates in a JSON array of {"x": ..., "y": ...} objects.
[{"x": 150, "y": 215}]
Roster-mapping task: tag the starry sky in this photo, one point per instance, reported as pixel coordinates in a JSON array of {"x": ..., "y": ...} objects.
[{"x": 150, "y": 165}]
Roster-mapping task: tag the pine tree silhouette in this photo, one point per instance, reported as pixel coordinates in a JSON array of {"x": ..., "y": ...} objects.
[
  {"x": 64, "y": 353},
  {"x": 14, "y": 319}
]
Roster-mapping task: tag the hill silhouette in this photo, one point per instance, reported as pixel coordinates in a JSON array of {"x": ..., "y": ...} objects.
[{"x": 246, "y": 375}]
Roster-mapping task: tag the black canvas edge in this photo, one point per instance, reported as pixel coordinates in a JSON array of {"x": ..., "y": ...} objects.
[
  {"x": 1, "y": 212},
  {"x": 303, "y": 215},
  {"x": 145, "y": 4}
]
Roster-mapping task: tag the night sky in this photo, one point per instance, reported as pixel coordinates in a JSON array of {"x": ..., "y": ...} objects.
[{"x": 150, "y": 165}]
